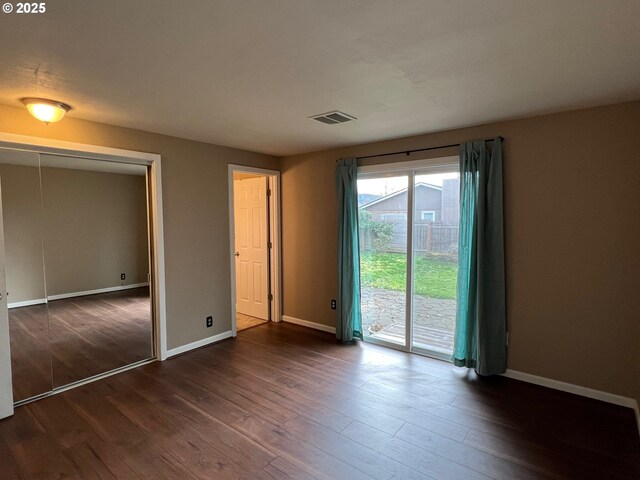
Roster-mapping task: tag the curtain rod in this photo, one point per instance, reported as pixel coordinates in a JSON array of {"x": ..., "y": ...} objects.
[{"x": 407, "y": 152}]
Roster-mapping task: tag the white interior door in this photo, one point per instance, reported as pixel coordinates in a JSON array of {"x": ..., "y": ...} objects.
[
  {"x": 252, "y": 253},
  {"x": 6, "y": 387}
]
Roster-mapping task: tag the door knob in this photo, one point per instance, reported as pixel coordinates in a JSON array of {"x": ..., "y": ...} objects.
[{"x": 237, "y": 254}]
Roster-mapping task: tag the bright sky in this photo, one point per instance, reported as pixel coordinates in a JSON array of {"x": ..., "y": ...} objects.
[{"x": 385, "y": 186}]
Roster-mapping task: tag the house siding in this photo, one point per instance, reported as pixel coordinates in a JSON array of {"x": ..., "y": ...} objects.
[{"x": 427, "y": 198}]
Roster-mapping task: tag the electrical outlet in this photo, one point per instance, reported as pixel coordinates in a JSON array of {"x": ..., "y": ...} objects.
[
  {"x": 209, "y": 321},
  {"x": 123, "y": 276},
  {"x": 333, "y": 304}
]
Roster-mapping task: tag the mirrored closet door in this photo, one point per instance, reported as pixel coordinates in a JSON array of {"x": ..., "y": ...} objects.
[
  {"x": 77, "y": 268},
  {"x": 24, "y": 272}
]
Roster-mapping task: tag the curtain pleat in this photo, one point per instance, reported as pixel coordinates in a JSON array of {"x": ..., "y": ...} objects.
[
  {"x": 480, "y": 336},
  {"x": 349, "y": 317}
]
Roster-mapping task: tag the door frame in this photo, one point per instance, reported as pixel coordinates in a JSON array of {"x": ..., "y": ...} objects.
[
  {"x": 410, "y": 169},
  {"x": 6, "y": 379},
  {"x": 152, "y": 160},
  {"x": 275, "y": 255}
]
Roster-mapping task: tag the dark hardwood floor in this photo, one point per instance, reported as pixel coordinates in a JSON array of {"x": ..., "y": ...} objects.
[
  {"x": 75, "y": 338},
  {"x": 284, "y": 402}
]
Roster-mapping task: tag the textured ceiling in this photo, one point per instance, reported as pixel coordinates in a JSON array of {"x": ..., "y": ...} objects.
[{"x": 248, "y": 73}]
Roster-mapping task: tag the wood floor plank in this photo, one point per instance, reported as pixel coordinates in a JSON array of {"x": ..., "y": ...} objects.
[
  {"x": 150, "y": 461},
  {"x": 39, "y": 457},
  {"x": 192, "y": 451},
  {"x": 22, "y": 426},
  {"x": 298, "y": 452},
  {"x": 214, "y": 405},
  {"x": 93, "y": 458},
  {"x": 227, "y": 382},
  {"x": 150, "y": 387},
  {"x": 472, "y": 458},
  {"x": 417, "y": 389},
  {"x": 418, "y": 458},
  {"x": 401, "y": 410},
  {"x": 576, "y": 428},
  {"x": 61, "y": 421},
  {"x": 496, "y": 426},
  {"x": 551, "y": 461},
  {"x": 353, "y": 453},
  {"x": 103, "y": 418},
  {"x": 258, "y": 404},
  {"x": 30, "y": 351},
  {"x": 281, "y": 469},
  {"x": 241, "y": 449},
  {"x": 8, "y": 465},
  {"x": 311, "y": 402}
]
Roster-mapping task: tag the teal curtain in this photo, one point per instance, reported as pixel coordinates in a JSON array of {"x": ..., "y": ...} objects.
[
  {"x": 349, "y": 317},
  {"x": 480, "y": 337}
]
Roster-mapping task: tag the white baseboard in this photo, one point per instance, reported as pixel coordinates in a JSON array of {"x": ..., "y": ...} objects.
[
  {"x": 39, "y": 301},
  {"x": 306, "y": 323},
  {"x": 577, "y": 390},
  {"x": 117, "y": 288},
  {"x": 199, "y": 343},
  {"x": 27, "y": 303}
]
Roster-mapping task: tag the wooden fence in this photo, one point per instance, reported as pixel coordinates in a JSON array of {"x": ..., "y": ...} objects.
[{"x": 433, "y": 237}]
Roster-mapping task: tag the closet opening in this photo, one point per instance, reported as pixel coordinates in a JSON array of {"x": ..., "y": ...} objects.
[{"x": 81, "y": 271}]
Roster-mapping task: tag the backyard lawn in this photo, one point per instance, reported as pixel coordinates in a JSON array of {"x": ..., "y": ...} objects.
[{"x": 434, "y": 278}]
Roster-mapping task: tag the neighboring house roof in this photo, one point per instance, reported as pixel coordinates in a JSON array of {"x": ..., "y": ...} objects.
[
  {"x": 366, "y": 198},
  {"x": 386, "y": 197}
]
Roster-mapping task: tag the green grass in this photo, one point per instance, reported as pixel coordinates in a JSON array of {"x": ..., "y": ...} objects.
[{"x": 434, "y": 278}]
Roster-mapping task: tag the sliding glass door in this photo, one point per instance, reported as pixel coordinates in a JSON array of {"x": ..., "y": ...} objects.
[
  {"x": 383, "y": 257},
  {"x": 408, "y": 253},
  {"x": 435, "y": 260}
]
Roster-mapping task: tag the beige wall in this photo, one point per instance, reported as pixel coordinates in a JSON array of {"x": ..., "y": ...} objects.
[
  {"x": 196, "y": 214},
  {"x": 93, "y": 227},
  {"x": 572, "y": 227},
  {"x": 22, "y": 215}
]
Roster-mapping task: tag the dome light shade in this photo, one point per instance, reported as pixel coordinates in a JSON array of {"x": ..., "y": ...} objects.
[{"x": 47, "y": 111}]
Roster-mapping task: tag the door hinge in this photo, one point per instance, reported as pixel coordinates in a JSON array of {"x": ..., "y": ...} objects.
[
  {"x": 271, "y": 297},
  {"x": 269, "y": 245},
  {"x": 268, "y": 192}
]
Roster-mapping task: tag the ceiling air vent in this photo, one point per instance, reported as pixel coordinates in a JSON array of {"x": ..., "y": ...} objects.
[{"x": 332, "y": 118}]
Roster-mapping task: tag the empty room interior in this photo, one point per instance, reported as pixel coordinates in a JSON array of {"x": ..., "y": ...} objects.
[{"x": 320, "y": 240}]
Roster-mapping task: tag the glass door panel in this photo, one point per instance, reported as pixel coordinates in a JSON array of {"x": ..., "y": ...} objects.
[
  {"x": 97, "y": 258},
  {"x": 25, "y": 274},
  {"x": 435, "y": 260},
  {"x": 382, "y": 203}
]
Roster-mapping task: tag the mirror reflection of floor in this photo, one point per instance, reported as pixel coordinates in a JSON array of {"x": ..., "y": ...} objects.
[
  {"x": 89, "y": 335},
  {"x": 30, "y": 351},
  {"x": 245, "y": 321}
]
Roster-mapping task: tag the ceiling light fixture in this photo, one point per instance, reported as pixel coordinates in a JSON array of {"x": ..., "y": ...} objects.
[{"x": 47, "y": 111}]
